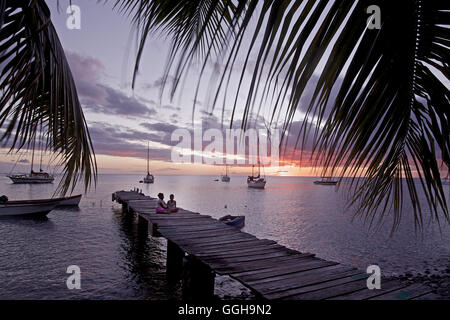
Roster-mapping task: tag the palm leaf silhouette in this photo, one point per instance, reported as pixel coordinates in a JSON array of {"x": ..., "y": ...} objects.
[
  {"x": 37, "y": 88},
  {"x": 390, "y": 118}
]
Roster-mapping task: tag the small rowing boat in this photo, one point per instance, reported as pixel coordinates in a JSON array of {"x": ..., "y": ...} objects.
[
  {"x": 234, "y": 221},
  {"x": 39, "y": 207},
  {"x": 70, "y": 201}
]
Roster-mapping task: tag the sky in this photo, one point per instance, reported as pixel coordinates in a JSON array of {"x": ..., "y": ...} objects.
[{"x": 122, "y": 121}]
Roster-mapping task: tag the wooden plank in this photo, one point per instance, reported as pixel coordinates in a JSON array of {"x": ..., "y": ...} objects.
[
  {"x": 248, "y": 258},
  {"x": 286, "y": 264},
  {"x": 187, "y": 226},
  {"x": 178, "y": 223},
  {"x": 238, "y": 255},
  {"x": 239, "y": 252},
  {"x": 207, "y": 235},
  {"x": 257, "y": 265},
  {"x": 410, "y": 292},
  {"x": 178, "y": 230},
  {"x": 151, "y": 209},
  {"x": 191, "y": 227},
  {"x": 132, "y": 197},
  {"x": 215, "y": 235},
  {"x": 430, "y": 296},
  {"x": 333, "y": 291},
  {"x": 284, "y": 270},
  {"x": 283, "y": 283},
  {"x": 196, "y": 227},
  {"x": 142, "y": 201},
  {"x": 181, "y": 214},
  {"x": 171, "y": 217},
  {"x": 233, "y": 246},
  {"x": 386, "y": 286},
  {"x": 313, "y": 284},
  {"x": 225, "y": 238},
  {"x": 180, "y": 217},
  {"x": 274, "y": 281},
  {"x": 189, "y": 244},
  {"x": 204, "y": 234},
  {"x": 197, "y": 241}
]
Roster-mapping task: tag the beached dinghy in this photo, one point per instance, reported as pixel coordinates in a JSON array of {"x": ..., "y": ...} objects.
[
  {"x": 234, "y": 221},
  {"x": 37, "y": 208}
]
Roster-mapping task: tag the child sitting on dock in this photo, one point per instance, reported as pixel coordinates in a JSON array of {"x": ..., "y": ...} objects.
[
  {"x": 172, "y": 204},
  {"x": 161, "y": 206}
]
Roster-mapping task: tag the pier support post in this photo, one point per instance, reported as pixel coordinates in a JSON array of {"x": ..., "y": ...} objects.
[
  {"x": 174, "y": 264},
  {"x": 142, "y": 226},
  {"x": 198, "y": 280}
]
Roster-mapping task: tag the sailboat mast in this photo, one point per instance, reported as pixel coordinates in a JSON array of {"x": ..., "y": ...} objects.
[
  {"x": 42, "y": 153},
  {"x": 259, "y": 168},
  {"x": 32, "y": 154}
]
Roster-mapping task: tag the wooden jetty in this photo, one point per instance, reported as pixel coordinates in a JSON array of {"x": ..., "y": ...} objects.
[{"x": 199, "y": 246}]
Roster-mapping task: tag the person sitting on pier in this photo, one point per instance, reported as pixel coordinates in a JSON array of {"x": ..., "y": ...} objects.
[
  {"x": 172, "y": 204},
  {"x": 161, "y": 206}
]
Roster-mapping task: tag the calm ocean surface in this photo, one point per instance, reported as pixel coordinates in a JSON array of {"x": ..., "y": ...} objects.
[{"x": 116, "y": 263}]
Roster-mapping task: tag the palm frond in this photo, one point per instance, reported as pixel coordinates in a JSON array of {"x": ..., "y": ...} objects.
[
  {"x": 38, "y": 88},
  {"x": 390, "y": 117}
]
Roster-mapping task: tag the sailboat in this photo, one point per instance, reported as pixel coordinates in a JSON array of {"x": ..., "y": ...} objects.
[
  {"x": 33, "y": 177},
  {"x": 256, "y": 182},
  {"x": 226, "y": 177},
  {"x": 149, "y": 178}
]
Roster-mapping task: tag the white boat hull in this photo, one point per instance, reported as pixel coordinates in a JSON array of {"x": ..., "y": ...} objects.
[
  {"x": 30, "y": 179},
  {"x": 326, "y": 183},
  {"x": 256, "y": 184},
  {"x": 149, "y": 180},
  {"x": 31, "y": 209},
  {"x": 70, "y": 201}
]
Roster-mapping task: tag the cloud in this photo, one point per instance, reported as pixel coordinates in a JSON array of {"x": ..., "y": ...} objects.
[
  {"x": 122, "y": 141},
  {"x": 170, "y": 107},
  {"x": 85, "y": 68},
  {"x": 158, "y": 83},
  {"x": 116, "y": 102},
  {"x": 101, "y": 98},
  {"x": 160, "y": 127}
]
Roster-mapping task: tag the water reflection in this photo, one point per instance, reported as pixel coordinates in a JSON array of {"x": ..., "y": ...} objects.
[
  {"x": 144, "y": 258},
  {"x": 28, "y": 221}
]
